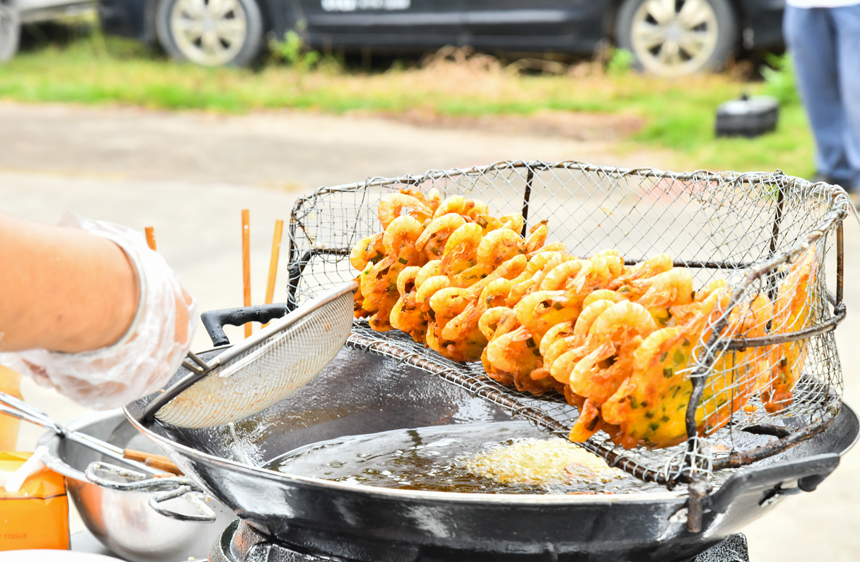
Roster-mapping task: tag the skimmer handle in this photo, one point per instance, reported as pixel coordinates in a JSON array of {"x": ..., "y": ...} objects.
[{"x": 215, "y": 320}]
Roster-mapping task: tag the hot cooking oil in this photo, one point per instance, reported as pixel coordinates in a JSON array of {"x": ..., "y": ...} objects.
[{"x": 491, "y": 458}]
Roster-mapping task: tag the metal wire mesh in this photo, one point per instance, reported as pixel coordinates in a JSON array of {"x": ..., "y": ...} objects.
[
  {"x": 266, "y": 373},
  {"x": 755, "y": 230}
]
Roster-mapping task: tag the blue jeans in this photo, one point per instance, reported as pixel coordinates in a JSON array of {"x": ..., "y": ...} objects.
[{"x": 825, "y": 44}]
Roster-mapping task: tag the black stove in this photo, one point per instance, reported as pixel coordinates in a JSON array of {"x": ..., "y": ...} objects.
[{"x": 241, "y": 543}]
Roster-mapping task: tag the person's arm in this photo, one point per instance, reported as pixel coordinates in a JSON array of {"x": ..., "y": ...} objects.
[
  {"x": 62, "y": 289},
  {"x": 90, "y": 310}
]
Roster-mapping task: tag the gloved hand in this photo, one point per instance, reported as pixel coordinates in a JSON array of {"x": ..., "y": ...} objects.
[{"x": 143, "y": 359}]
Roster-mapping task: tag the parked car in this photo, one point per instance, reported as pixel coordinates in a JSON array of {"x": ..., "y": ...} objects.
[
  {"x": 667, "y": 37},
  {"x": 14, "y": 13}
]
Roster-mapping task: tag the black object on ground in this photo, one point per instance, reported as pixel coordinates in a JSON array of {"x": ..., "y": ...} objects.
[{"x": 747, "y": 117}]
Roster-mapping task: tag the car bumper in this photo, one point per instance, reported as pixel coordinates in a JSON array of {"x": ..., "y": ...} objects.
[
  {"x": 126, "y": 18},
  {"x": 764, "y": 24},
  {"x": 49, "y": 13}
]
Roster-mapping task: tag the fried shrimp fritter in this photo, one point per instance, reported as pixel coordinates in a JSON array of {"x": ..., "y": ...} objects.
[
  {"x": 514, "y": 222},
  {"x": 432, "y": 241},
  {"x": 541, "y": 310},
  {"x": 559, "y": 276},
  {"x": 495, "y": 323},
  {"x": 430, "y": 269},
  {"x": 455, "y": 204},
  {"x": 464, "y": 325},
  {"x": 656, "y": 265},
  {"x": 650, "y": 406},
  {"x": 492, "y": 290},
  {"x": 428, "y": 288},
  {"x": 681, "y": 314},
  {"x": 665, "y": 290},
  {"x": 611, "y": 340},
  {"x": 522, "y": 287},
  {"x": 564, "y": 353},
  {"x": 395, "y": 205},
  {"x": 515, "y": 355},
  {"x": 738, "y": 374},
  {"x": 620, "y": 343},
  {"x": 370, "y": 249},
  {"x": 379, "y": 280},
  {"x": 495, "y": 293},
  {"x": 603, "y": 294},
  {"x": 495, "y": 248},
  {"x": 406, "y": 315},
  {"x": 791, "y": 313},
  {"x": 454, "y": 311},
  {"x": 461, "y": 250},
  {"x": 498, "y": 247},
  {"x": 596, "y": 273},
  {"x": 537, "y": 237},
  {"x": 555, "y": 342}
]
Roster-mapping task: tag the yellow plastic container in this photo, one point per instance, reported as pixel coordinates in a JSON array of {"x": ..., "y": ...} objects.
[
  {"x": 10, "y": 383},
  {"x": 37, "y": 515}
]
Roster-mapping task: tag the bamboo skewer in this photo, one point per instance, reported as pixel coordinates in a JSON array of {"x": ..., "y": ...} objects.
[
  {"x": 273, "y": 262},
  {"x": 150, "y": 238},
  {"x": 246, "y": 264},
  {"x": 155, "y": 461}
]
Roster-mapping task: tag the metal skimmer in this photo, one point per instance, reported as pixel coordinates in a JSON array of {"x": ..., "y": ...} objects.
[
  {"x": 262, "y": 369},
  {"x": 750, "y": 229}
]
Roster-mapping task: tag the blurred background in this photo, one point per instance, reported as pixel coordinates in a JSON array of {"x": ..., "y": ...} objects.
[{"x": 177, "y": 114}]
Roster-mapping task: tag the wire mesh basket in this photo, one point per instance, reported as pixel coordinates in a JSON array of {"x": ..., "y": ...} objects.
[{"x": 765, "y": 375}]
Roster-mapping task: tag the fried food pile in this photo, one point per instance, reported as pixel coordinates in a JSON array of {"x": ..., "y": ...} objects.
[{"x": 617, "y": 341}]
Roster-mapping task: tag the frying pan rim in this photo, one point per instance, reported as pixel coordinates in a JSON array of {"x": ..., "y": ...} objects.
[
  {"x": 533, "y": 499},
  {"x": 429, "y": 496},
  {"x": 404, "y": 494}
]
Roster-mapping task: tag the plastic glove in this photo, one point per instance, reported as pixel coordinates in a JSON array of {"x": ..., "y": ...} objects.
[{"x": 143, "y": 359}]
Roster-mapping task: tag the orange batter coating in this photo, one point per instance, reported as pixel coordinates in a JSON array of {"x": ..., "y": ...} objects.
[
  {"x": 650, "y": 406},
  {"x": 792, "y": 312},
  {"x": 618, "y": 342}
]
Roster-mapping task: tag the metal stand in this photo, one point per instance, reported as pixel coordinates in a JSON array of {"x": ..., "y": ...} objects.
[{"x": 240, "y": 543}]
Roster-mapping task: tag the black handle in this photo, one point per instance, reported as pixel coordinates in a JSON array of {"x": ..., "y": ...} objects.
[
  {"x": 766, "y": 480},
  {"x": 215, "y": 320}
]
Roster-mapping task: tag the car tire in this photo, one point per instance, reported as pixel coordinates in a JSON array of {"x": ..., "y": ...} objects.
[
  {"x": 210, "y": 32},
  {"x": 677, "y": 38},
  {"x": 10, "y": 30}
]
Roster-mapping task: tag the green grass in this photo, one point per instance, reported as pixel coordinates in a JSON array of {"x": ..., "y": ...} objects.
[{"x": 679, "y": 114}]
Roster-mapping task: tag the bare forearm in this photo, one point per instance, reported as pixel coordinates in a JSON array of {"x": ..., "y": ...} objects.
[{"x": 62, "y": 289}]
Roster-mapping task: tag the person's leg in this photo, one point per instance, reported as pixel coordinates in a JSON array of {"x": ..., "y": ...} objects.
[
  {"x": 847, "y": 23},
  {"x": 810, "y": 36}
]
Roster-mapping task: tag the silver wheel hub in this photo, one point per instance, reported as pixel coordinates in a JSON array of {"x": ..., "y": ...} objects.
[
  {"x": 209, "y": 32},
  {"x": 674, "y": 32},
  {"x": 674, "y": 37}
]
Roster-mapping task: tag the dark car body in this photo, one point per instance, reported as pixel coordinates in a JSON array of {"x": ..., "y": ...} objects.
[{"x": 564, "y": 26}]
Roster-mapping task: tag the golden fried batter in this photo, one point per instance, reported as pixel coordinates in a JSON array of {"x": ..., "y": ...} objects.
[
  {"x": 791, "y": 313},
  {"x": 617, "y": 341}
]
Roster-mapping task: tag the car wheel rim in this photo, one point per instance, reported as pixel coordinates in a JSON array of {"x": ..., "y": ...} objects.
[
  {"x": 674, "y": 37},
  {"x": 209, "y": 32}
]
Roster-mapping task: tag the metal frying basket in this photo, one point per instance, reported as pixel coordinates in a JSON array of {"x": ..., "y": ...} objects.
[{"x": 751, "y": 229}]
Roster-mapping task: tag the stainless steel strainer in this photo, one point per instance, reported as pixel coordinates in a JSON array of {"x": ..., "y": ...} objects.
[{"x": 261, "y": 370}]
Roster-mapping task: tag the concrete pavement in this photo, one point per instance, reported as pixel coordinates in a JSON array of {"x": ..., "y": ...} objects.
[{"x": 190, "y": 174}]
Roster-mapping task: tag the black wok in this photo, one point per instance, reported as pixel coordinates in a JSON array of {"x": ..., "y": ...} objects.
[{"x": 360, "y": 393}]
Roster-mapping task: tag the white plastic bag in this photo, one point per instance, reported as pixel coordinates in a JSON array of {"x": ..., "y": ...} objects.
[
  {"x": 144, "y": 358},
  {"x": 13, "y": 481}
]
